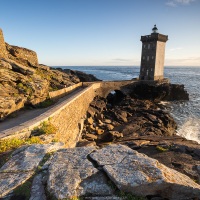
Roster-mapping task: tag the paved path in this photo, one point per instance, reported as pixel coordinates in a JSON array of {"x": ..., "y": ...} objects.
[{"x": 26, "y": 115}]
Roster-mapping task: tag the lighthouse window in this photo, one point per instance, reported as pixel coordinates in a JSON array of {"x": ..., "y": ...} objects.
[
  {"x": 144, "y": 46},
  {"x": 149, "y": 45},
  {"x": 152, "y": 57},
  {"x": 143, "y": 57},
  {"x": 147, "y": 58}
]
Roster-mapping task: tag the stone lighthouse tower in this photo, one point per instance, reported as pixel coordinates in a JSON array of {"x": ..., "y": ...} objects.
[{"x": 153, "y": 55}]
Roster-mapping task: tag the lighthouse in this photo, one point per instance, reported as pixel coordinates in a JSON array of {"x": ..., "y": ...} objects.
[{"x": 153, "y": 55}]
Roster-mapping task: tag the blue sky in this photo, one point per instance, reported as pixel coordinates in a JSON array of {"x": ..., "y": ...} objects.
[{"x": 101, "y": 32}]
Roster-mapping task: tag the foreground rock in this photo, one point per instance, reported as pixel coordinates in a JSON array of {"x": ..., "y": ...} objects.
[
  {"x": 140, "y": 175},
  {"x": 22, "y": 165},
  {"x": 113, "y": 172},
  {"x": 71, "y": 174}
]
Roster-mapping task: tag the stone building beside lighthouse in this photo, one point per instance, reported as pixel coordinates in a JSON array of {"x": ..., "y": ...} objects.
[{"x": 153, "y": 56}]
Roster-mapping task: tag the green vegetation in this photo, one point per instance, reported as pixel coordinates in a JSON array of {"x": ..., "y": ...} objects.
[
  {"x": 25, "y": 88},
  {"x": 129, "y": 196},
  {"x": 43, "y": 74},
  {"x": 4, "y": 157},
  {"x": 46, "y": 103},
  {"x": 124, "y": 195},
  {"x": 45, "y": 128},
  {"x": 23, "y": 191},
  {"x": 46, "y": 157},
  {"x": 20, "y": 85},
  {"x": 9, "y": 144},
  {"x": 53, "y": 88},
  {"x": 162, "y": 149}
]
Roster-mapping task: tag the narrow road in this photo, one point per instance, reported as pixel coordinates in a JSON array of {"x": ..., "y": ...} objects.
[{"x": 26, "y": 115}]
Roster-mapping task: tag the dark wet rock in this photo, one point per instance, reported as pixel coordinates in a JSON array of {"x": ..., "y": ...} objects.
[
  {"x": 82, "y": 76},
  {"x": 157, "y": 91}
]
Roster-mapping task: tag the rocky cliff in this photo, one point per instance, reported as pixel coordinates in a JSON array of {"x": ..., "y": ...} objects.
[
  {"x": 25, "y": 82},
  {"x": 158, "y": 91}
]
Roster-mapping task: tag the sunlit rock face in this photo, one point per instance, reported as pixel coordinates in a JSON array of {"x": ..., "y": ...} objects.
[
  {"x": 25, "y": 82},
  {"x": 3, "y": 51}
]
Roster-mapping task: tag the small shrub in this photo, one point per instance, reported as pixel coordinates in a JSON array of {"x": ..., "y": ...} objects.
[
  {"x": 33, "y": 140},
  {"x": 20, "y": 85},
  {"x": 161, "y": 149},
  {"x": 46, "y": 157},
  {"x": 55, "y": 140},
  {"x": 129, "y": 196},
  {"x": 23, "y": 191},
  {"x": 46, "y": 103},
  {"x": 45, "y": 128},
  {"x": 4, "y": 157},
  {"x": 9, "y": 144},
  {"x": 43, "y": 74},
  {"x": 15, "y": 95}
]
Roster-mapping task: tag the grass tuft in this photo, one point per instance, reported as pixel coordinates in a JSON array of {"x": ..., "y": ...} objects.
[
  {"x": 45, "y": 128},
  {"x": 161, "y": 149},
  {"x": 9, "y": 144}
]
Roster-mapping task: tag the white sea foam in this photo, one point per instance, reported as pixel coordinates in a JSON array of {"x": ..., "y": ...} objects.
[{"x": 190, "y": 130}]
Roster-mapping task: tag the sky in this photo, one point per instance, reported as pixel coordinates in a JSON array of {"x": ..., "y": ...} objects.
[{"x": 102, "y": 32}]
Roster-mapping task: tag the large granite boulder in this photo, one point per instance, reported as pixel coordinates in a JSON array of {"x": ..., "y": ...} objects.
[
  {"x": 22, "y": 165},
  {"x": 72, "y": 174},
  {"x": 140, "y": 175}
]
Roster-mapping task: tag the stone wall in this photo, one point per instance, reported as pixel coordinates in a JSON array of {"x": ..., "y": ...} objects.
[
  {"x": 3, "y": 51},
  {"x": 68, "y": 116},
  {"x": 60, "y": 93},
  {"x": 105, "y": 87},
  {"x": 69, "y": 120}
]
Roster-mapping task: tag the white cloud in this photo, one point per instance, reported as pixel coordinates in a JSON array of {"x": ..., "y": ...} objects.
[
  {"x": 171, "y": 3},
  {"x": 187, "y": 61},
  {"x": 174, "y": 3},
  {"x": 175, "y": 49},
  {"x": 184, "y": 1}
]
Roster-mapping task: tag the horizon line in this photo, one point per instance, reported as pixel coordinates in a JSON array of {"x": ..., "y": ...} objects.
[{"x": 115, "y": 66}]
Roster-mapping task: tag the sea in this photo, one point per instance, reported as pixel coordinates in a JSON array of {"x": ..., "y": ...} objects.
[{"x": 185, "y": 113}]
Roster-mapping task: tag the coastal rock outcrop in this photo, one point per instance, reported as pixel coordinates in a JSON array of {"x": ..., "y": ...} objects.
[
  {"x": 129, "y": 118},
  {"x": 82, "y": 76},
  {"x": 157, "y": 91},
  {"x": 25, "y": 82}
]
